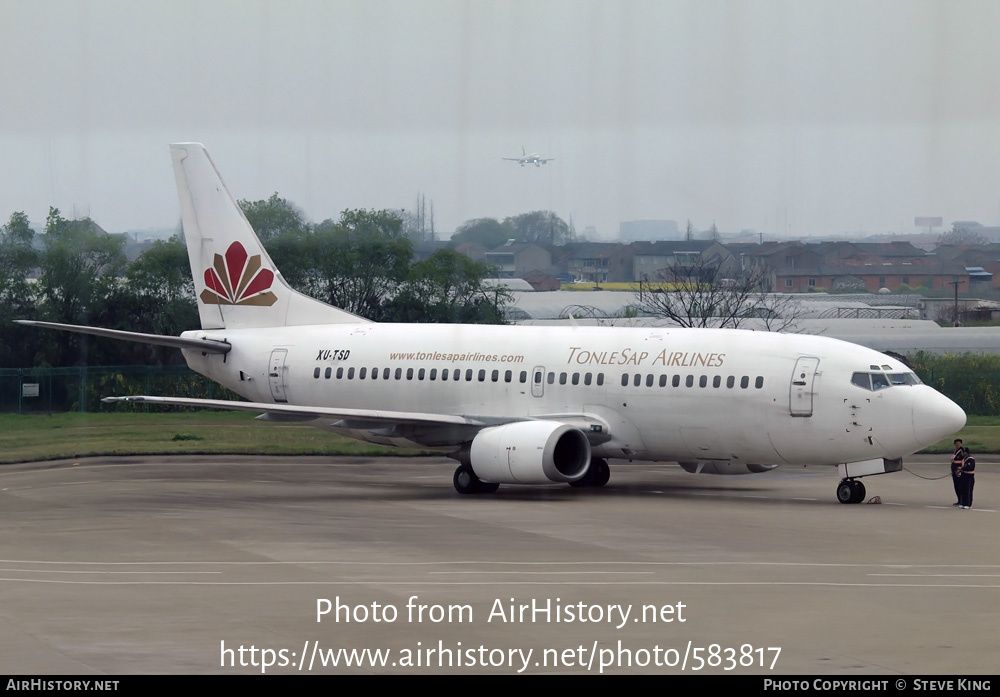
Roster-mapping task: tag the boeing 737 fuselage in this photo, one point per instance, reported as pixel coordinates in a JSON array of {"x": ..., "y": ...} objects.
[{"x": 535, "y": 405}]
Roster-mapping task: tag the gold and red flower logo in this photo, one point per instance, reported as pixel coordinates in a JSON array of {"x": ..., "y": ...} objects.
[{"x": 238, "y": 280}]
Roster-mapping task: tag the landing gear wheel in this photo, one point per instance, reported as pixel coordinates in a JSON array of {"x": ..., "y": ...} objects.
[
  {"x": 850, "y": 491},
  {"x": 466, "y": 481},
  {"x": 488, "y": 487},
  {"x": 602, "y": 473}
]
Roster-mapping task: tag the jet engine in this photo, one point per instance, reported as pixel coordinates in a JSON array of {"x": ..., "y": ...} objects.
[
  {"x": 530, "y": 452},
  {"x": 724, "y": 467}
]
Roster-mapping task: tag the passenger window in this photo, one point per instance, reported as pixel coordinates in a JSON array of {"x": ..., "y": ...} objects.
[
  {"x": 587, "y": 378},
  {"x": 552, "y": 378},
  {"x": 730, "y": 381},
  {"x": 676, "y": 382},
  {"x": 690, "y": 381},
  {"x": 374, "y": 373},
  {"x": 409, "y": 373},
  {"x": 326, "y": 375},
  {"x": 862, "y": 380},
  {"x": 624, "y": 379},
  {"x": 663, "y": 381},
  {"x": 759, "y": 382},
  {"x": 420, "y": 374},
  {"x": 703, "y": 381},
  {"x": 316, "y": 372},
  {"x": 508, "y": 376},
  {"x": 717, "y": 381},
  {"x": 468, "y": 375},
  {"x": 495, "y": 376},
  {"x": 744, "y": 382},
  {"x": 523, "y": 376},
  {"x": 350, "y": 373},
  {"x": 637, "y": 380},
  {"x": 434, "y": 374},
  {"x": 385, "y": 373},
  {"x": 399, "y": 373},
  {"x": 482, "y": 375},
  {"x": 600, "y": 378},
  {"x": 576, "y": 378},
  {"x": 444, "y": 374},
  {"x": 562, "y": 378},
  {"x": 363, "y": 372}
]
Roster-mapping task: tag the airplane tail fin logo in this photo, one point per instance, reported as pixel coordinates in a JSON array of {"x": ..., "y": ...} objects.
[{"x": 238, "y": 279}]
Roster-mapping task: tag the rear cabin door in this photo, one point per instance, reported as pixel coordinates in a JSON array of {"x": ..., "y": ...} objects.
[{"x": 276, "y": 373}]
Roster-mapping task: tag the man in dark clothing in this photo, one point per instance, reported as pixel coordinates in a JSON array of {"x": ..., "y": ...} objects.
[
  {"x": 966, "y": 481},
  {"x": 956, "y": 466}
]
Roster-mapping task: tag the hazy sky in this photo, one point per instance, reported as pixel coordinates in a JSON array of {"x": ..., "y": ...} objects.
[{"x": 788, "y": 117}]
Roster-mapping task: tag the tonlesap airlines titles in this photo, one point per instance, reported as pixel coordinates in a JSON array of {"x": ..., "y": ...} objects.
[{"x": 533, "y": 405}]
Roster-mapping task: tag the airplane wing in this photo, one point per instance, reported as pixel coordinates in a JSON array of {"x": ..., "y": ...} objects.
[
  {"x": 385, "y": 422},
  {"x": 372, "y": 416}
]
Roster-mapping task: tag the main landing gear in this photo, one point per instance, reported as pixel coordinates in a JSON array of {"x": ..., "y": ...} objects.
[
  {"x": 850, "y": 491},
  {"x": 597, "y": 474},
  {"x": 466, "y": 482}
]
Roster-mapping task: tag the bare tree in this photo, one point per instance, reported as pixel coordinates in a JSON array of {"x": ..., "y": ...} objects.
[
  {"x": 963, "y": 236},
  {"x": 697, "y": 293}
]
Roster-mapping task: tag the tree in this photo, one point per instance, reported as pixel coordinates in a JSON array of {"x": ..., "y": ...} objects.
[
  {"x": 963, "y": 237},
  {"x": 273, "y": 217},
  {"x": 79, "y": 267},
  {"x": 488, "y": 232},
  {"x": 543, "y": 228},
  {"x": 359, "y": 261},
  {"x": 17, "y": 294},
  {"x": 449, "y": 287},
  {"x": 700, "y": 295}
]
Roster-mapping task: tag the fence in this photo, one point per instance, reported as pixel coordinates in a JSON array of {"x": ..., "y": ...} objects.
[{"x": 80, "y": 388}]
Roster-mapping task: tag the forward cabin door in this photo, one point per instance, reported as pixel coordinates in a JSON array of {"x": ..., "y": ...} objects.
[
  {"x": 802, "y": 389},
  {"x": 276, "y": 373}
]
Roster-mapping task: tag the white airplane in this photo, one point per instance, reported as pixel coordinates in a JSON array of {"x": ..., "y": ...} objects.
[
  {"x": 529, "y": 159},
  {"x": 527, "y": 404}
]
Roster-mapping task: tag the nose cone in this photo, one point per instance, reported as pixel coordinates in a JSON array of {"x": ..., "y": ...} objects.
[{"x": 935, "y": 417}]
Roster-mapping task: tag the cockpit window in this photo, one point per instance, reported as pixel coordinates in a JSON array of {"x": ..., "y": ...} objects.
[
  {"x": 878, "y": 381},
  {"x": 904, "y": 379}
]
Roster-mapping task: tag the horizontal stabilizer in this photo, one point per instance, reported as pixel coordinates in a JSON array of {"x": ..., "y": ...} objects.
[
  {"x": 203, "y": 345},
  {"x": 373, "y": 415}
]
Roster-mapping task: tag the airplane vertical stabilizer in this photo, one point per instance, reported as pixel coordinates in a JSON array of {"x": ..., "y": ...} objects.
[{"x": 235, "y": 281}]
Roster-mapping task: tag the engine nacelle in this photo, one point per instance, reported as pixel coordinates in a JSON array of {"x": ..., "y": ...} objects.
[
  {"x": 530, "y": 452},
  {"x": 724, "y": 467}
]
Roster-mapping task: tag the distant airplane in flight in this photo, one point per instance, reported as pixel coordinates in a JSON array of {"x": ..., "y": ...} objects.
[{"x": 526, "y": 159}]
